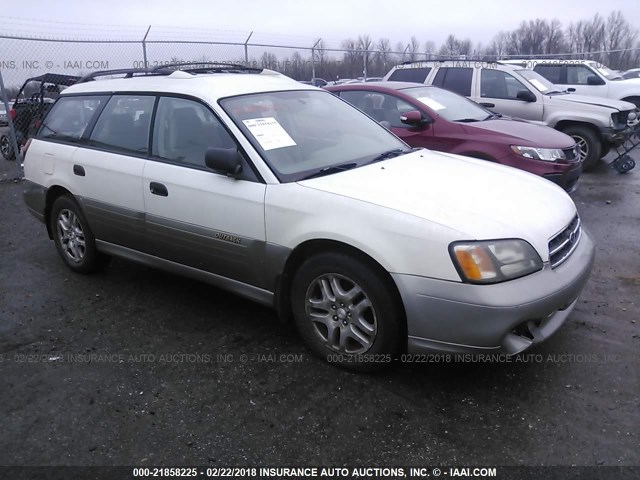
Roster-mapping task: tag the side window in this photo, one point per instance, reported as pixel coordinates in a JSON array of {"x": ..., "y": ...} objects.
[
  {"x": 578, "y": 75},
  {"x": 456, "y": 80},
  {"x": 418, "y": 75},
  {"x": 497, "y": 84},
  {"x": 69, "y": 117},
  {"x": 392, "y": 108},
  {"x": 553, "y": 73},
  {"x": 184, "y": 129},
  {"x": 124, "y": 124}
]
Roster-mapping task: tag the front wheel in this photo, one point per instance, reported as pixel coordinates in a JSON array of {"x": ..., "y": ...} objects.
[
  {"x": 6, "y": 148},
  {"x": 347, "y": 312},
  {"x": 73, "y": 237},
  {"x": 589, "y": 145}
]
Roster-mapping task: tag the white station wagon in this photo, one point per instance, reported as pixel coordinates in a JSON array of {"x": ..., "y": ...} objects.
[{"x": 285, "y": 194}]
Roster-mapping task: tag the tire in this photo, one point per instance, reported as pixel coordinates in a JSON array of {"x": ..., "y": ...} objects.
[
  {"x": 6, "y": 148},
  {"x": 589, "y": 143},
  {"x": 346, "y": 312},
  {"x": 73, "y": 237}
]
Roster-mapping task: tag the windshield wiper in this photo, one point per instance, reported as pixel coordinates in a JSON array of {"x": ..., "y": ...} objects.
[
  {"x": 493, "y": 115},
  {"x": 467, "y": 120},
  {"x": 330, "y": 170},
  {"x": 391, "y": 153}
]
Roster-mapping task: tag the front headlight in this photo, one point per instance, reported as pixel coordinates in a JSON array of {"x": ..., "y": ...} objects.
[
  {"x": 548, "y": 154},
  {"x": 494, "y": 261}
]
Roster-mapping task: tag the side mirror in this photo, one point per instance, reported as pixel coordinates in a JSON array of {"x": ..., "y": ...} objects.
[
  {"x": 594, "y": 80},
  {"x": 413, "y": 118},
  {"x": 225, "y": 161},
  {"x": 526, "y": 96}
]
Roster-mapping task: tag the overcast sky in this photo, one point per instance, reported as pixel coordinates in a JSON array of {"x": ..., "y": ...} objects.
[{"x": 302, "y": 21}]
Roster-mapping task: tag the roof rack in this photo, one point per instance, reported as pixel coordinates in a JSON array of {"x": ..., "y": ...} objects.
[
  {"x": 204, "y": 67},
  {"x": 169, "y": 68},
  {"x": 128, "y": 73}
]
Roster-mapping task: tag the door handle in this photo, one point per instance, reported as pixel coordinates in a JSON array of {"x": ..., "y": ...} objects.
[
  {"x": 158, "y": 189},
  {"x": 488, "y": 105},
  {"x": 571, "y": 89},
  {"x": 78, "y": 170}
]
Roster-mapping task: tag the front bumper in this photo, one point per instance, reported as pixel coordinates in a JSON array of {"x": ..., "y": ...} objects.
[
  {"x": 567, "y": 180},
  {"x": 509, "y": 317},
  {"x": 616, "y": 136}
]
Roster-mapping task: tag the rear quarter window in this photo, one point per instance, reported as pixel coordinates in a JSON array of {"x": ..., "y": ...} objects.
[
  {"x": 417, "y": 75},
  {"x": 69, "y": 117}
]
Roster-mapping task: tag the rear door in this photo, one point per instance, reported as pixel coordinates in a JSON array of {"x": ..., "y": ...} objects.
[
  {"x": 196, "y": 217},
  {"x": 108, "y": 170}
]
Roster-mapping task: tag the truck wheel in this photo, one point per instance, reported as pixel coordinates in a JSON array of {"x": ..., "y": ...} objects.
[
  {"x": 589, "y": 144},
  {"x": 346, "y": 313},
  {"x": 6, "y": 148}
]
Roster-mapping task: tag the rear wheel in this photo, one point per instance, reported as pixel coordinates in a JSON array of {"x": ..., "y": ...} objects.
[
  {"x": 73, "y": 237},
  {"x": 6, "y": 148},
  {"x": 346, "y": 312},
  {"x": 589, "y": 144}
]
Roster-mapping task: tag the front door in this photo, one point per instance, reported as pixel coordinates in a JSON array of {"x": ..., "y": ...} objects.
[{"x": 196, "y": 217}]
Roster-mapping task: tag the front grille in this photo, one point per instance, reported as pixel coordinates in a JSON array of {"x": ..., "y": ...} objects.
[
  {"x": 562, "y": 245},
  {"x": 571, "y": 154}
]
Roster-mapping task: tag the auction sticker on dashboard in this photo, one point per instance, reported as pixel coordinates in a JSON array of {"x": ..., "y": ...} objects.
[
  {"x": 269, "y": 133},
  {"x": 431, "y": 103}
]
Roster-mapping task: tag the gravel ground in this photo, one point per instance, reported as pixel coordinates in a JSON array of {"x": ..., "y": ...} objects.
[{"x": 138, "y": 367}]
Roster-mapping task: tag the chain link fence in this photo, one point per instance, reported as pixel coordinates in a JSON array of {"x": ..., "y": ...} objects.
[{"x": 23, "y": 57}]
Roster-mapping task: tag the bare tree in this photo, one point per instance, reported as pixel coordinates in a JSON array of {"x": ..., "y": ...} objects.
[
  {"x": 364, "y": 46},
  {"x": 429, "y": 49},
  {"x": 383, "y": 55}
]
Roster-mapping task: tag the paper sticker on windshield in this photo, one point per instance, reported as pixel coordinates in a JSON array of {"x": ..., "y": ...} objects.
[
  {"x": 269, "y": 133},
  {"x": 431, "y": 103},
  {"x": 538, "y": 84}
]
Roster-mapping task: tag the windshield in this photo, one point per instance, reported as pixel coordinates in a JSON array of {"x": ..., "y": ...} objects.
[
  {"x": 539, "y": 82},
  {"x": 305, "y": 131},
  {"x": 448, "y": 105},
  {"x": 608, "y": 73}
]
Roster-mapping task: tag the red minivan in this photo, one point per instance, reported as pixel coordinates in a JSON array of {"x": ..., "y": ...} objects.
[{"x": 430, "y": 117}]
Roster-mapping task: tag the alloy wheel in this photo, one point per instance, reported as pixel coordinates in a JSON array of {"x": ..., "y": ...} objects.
[
  {"x": 71, "y": 235},
  {"x": 342, "y": 314}
]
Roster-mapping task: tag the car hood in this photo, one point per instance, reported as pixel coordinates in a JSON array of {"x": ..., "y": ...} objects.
[
  {"x": 518, "y": 132},
  {"x": 618, "y": 105},
  {"x": 478, "y": 199}
]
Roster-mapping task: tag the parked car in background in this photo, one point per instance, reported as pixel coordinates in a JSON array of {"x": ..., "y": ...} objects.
[
  {"x": 596, "y": 124},
  {"x": 426, "y": 116},
  {"x": 633, "y": 73},
  {"x": 585, "y": 77},
  {"x": 287, "y": 195},
  {"x": 31, "y": 104},
  {"x": 3, "y": 115}
]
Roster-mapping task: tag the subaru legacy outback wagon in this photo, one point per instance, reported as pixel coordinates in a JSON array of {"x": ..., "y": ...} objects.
[{"x": 287, "y": 195}]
